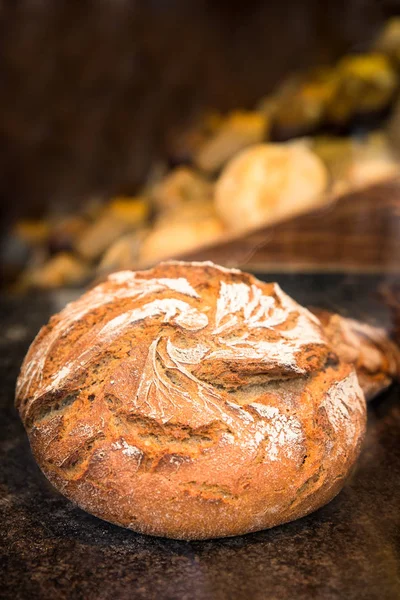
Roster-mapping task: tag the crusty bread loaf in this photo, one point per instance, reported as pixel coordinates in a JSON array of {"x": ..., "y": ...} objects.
[{"x": 191, "y": 401}]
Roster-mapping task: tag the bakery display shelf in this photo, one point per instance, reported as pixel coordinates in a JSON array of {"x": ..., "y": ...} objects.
[{"x": 359, "y": 232}]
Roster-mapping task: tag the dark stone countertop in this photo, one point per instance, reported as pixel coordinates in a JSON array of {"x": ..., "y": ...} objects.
[{"x": 349, "y": 549}]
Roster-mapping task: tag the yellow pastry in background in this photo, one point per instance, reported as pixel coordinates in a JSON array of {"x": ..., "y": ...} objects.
[
  {"x": 119, "y": 217},
  {"x": 357, "y": 163},
  {"x": 180, "y": 187},
  {"x": 195, "y": 226},
  {"x": 237, "y": 131},
  {"x": 301, "y": 103},
  {"x": 366, "y": 85}
]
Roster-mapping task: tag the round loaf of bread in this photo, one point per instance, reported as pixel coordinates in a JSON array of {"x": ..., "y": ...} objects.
[{"x": 191, "y": 401}]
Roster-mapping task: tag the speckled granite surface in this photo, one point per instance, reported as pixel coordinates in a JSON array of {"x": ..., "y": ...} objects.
[{"x": 349, "y": 549}]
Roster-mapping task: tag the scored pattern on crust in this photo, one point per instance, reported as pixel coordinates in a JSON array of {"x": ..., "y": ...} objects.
[
  {"x": 166, "y": 372},
  {"x": 250, "y": 332}
]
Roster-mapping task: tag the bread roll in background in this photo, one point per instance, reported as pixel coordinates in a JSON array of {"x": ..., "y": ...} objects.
[
  {"x": 191, "y": 401},
  {"x": 268, "y": 182},
  {"x": 181, "y": 230}
]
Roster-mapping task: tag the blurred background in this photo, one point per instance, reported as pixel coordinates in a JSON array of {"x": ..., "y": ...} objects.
[{"x": 258, "y": 134}]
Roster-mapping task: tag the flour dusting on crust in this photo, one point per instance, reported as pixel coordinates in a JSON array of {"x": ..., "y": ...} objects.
[
  {"x": 245, "y": 324},
  {"x": 191, "y": 401},
  {"x": 342, "y": 400}
]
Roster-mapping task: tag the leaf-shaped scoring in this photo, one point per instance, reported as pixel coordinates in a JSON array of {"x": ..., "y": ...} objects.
[{"x": 246, "y": 330}]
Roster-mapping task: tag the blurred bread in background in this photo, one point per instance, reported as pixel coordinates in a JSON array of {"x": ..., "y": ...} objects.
[
  {"x": 93, "y": 91},
  {"x": 269, "y": 182},
  {"x": 137, "y": 131}
]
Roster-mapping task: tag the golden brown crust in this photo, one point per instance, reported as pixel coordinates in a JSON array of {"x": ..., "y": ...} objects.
[
  {"x": 191, "y": 401},
  {"x": 375, "y": 357}
]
